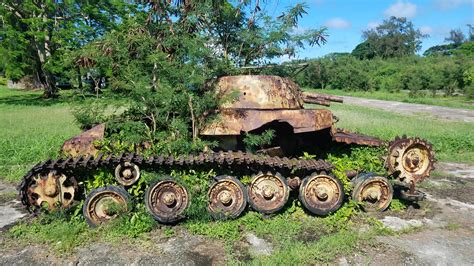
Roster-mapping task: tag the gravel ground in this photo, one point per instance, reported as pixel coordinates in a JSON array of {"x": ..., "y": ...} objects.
[{"x": 410, "y": 108}]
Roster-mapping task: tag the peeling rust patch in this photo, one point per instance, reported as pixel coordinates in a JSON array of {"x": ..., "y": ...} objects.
[
  {"x": 233, "y": 122},
  {"x": 345, "y": 136},
  {"x": 260, "y": 92},
  {"x": 83, "y": 144}
]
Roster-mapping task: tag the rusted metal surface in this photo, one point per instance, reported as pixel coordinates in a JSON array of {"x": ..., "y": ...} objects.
[
  {"x": 351, "y": 173},
  {"x": 273, "y": 151},
  {"x": 411, "y": 158},
  {"x": 105, "y": 204},
  {"x": 166, "y": 201},
  {"x": 127, "y": 173},
  {"x": 319, "y": 98},
  {"x": 227, "y": 198},
  {"x": 375, "y": 192},
  {"x": 321, "y": 193},
  {"x": 268, "y": 192},
  {"x": 83, "y": 144},
  {"x": 233, "y": 122},
  {"x": 294, "y": 182},
  {"x": 345, "y": 136},
  {"x": 317, "y": 101},
  {"x": 53, "y": 189},
  {"x": 259, "y": 92}
]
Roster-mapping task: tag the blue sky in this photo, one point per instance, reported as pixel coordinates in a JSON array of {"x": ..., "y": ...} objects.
[{"x": 347, "y": 19}]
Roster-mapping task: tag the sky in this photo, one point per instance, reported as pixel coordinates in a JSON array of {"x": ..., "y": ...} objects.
[{"x": 347, "y": 19}]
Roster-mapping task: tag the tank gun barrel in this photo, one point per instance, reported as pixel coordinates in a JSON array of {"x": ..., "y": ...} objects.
[{"x": 321, "y": 99}]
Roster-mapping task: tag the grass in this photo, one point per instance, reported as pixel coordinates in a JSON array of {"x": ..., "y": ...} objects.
[
  {"x": 296, "y": 237},
  {"x": 31, "y": 130},
  {"x": 448, "y": 101},
  {"x": 453, "y": 141},
  {"x": 62, "y": 232}
]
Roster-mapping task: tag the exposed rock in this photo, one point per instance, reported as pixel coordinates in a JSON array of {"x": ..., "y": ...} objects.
[
  {"x": 398, "y": 224},
  {"x": 258, "y": 246},
  {"x": 9, "y": 215}
]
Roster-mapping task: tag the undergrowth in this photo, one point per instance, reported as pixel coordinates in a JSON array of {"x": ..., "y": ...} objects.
[{"x": 361, "y": 159}]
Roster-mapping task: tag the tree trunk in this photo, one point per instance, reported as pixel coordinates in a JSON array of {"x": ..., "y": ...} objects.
[
  {"x": 79, "y": 79},
  {"x": 44, "y": 53}
]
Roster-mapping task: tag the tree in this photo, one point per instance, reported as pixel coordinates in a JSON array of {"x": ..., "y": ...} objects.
[
  {"x": 457, "y": 43},
  {"x": 470, "y": 32},
  {"x": 456, "y": 36},
  {"x": 364, "y": 50},
  {"x": 395, "y": 37},
  {"x": 443, "y": 49},
  {"x": 36, "y": 33}
]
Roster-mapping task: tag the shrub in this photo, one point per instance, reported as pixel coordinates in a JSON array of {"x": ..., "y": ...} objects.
[{"x": 3, "y": 81}]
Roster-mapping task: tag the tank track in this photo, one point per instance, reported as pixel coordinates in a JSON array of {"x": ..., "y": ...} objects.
[{"x": 238, "y": 161}]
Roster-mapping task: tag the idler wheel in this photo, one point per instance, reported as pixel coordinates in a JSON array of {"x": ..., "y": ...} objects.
[
  {"x": 321, "y": 194},
  {"x": 166, "y": 201},
  {"x": 104, "y": 204},
  {"x": 411, "y": 158},
  {"x": 375, "y": 192},
  {"x": 127, "y": 174},
  {"x": 268, "y": 192},
  {"x": 227, "y": 198},
  {"x": 52, "y": 190}
]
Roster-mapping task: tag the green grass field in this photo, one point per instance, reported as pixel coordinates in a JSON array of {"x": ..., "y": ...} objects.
[
  {"x": 31, "y": 130},
  {"x": 448, "y": 101}
]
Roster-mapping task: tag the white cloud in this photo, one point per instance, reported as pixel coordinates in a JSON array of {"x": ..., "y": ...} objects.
[
  {"x": 401, "y": 9},
  {"x": 299, "y": 30},
  {"x": 372, "y": 25},
  {"x": 450, "y": 4},
  {"x": 337, "y": 23},
  {"x": 426, "y": 29}
]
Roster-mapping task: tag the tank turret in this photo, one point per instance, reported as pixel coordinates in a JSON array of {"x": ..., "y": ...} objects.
[{"x": 260, "y": 103}]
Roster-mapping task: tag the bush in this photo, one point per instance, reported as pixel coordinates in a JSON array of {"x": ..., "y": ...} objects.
[
  {"x": 3, "y": 81},
  {"x": 346, "y": 72}
]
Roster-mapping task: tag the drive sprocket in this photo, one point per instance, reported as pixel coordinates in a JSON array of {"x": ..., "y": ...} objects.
[
  {"x": 412, "y": 159},
  {"x": 52, "y": 190}
]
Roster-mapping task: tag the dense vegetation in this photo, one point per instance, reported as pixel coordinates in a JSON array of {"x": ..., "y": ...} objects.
[{"x": 433, "y": 75}]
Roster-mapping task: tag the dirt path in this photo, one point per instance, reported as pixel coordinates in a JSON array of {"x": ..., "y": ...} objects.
[
  {"x": 10, "y": 209},
  {"x": 455, "y": 114}
]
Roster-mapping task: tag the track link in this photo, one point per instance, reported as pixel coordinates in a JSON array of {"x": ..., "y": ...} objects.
[{"x": 230, "y": 160}]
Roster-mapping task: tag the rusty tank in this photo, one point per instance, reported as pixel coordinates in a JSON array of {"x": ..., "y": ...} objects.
[
  {"x": 255, "y": 105},
  {"x": 274, "y": 103}
]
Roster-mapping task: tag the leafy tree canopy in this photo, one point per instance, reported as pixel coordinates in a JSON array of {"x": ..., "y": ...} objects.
[
  {"x": 456, "y": 38},
  {"x": 395, "y": 37},
  {"x": 35, "y": 34}
]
